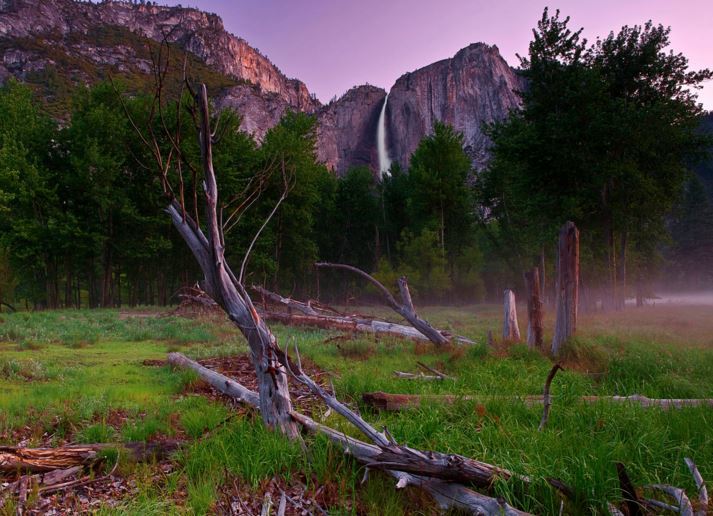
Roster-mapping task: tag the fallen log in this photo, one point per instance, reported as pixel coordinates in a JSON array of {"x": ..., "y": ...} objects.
[
  {"x": 394, "y": 402},
  {"x": 41, "y": 460},
  {"x": 289, "y": 303},
  {"x": 346, "y": 323},
  {"x": 405, "y": 309},
  {"x": 447, "y": 494}
]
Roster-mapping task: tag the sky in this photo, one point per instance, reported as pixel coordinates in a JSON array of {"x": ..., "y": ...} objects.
[{"x": 332, "y": 45}]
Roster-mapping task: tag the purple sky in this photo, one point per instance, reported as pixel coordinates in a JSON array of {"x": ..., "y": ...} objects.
[{"x": 332, "y": 45}]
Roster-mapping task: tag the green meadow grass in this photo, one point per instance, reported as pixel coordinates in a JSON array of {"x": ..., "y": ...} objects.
[{"x": 66, "y": 376}]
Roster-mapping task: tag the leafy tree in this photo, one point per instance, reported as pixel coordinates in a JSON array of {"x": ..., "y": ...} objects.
[
  {"x": 603, "y": 139},
  {"x": 357, "y": 217},
  {"x": 439, "y": 196},
  {"x": 692, "y": 231}
]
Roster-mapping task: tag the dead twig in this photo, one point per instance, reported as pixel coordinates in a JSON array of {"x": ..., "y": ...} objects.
[{"x": 547, "y": 401}]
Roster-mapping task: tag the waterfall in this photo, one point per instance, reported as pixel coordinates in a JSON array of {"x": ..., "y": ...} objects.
[{"x": 384, "y": 160}]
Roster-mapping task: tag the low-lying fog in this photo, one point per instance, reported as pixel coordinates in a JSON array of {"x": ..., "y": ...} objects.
[{"x": 680, "y": 298}]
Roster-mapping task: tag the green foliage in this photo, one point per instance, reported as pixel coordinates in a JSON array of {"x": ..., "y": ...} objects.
[
  {"x": 692, "y": 231},
  {"x": 603, "y": 139}
]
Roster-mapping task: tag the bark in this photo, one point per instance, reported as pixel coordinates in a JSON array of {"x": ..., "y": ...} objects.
[
  {"x": 405, "y": 308},
  {"x": 317, "y": 315},
  {"x": 40, "y": 460},
  {"x": 535, "y": 329},
  {"x": 395, "y": 402},
  {"x": 543, "y": 285},
  {"x": 384, "y": 455},
  {"x": 511, "y": 330},
  {"x": 700, "y": 485},
  {"x": 290, "y": 304},
  {"x": 621, "y": 273},
  {"x": 351, "y": 324},
  {"x": 567, "y": 295},
  {"x": 222, "y": 285},
  {"x": 546, "y": 399}
]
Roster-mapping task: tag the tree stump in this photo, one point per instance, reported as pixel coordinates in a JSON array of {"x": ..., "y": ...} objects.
[
  {"x": 567, "y": 292},
  {"x": 534, "y": 309},
  {"x": 511, "y": 331}
]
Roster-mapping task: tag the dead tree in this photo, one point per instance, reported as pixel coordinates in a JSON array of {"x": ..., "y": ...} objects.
[
  {"x": 441, "y": 475},
  {"x": 207, "y": 240},
  {"x": 511, "y": 331},
  {"x": 534, "y": 309},
  {"x": 405, "y": 309},
  {"x": 567, "y": 291}
]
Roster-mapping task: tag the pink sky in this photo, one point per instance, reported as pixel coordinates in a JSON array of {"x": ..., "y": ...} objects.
[{"x": 332, "y": 45}]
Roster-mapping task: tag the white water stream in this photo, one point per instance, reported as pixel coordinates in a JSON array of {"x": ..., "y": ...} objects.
[{"x": 384, "y": 160}]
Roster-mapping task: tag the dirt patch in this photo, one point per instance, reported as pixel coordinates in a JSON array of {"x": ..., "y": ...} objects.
[
  {"x": 240, "y": 369},
  {"x": 154, "y": 362},
  {"x": 239, "y": 499}
]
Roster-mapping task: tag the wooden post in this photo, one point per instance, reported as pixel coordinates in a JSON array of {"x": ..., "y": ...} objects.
[
  {"x": 534, "y": 309},
  {"x": 511, "y": 331},
  {"x": 567, "y": 293}
]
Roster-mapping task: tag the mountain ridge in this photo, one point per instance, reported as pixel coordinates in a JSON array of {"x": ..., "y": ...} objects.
[{"x": 61, "y": 43}]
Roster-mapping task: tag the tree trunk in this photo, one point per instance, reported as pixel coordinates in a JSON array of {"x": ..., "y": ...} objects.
[
  {"x": 621, "y": 273},
  {"x": 567, "y": 286},
  {"x": 391, "y": 402},
  {"x": 511, "y": 330},
  {"x": 534, "y": 309},
  {"x": 223, "y": 286},
  {"x": 543, "y": 284}
]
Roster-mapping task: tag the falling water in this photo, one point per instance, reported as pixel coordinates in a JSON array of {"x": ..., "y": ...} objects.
[{"x": 384, "y": 161}]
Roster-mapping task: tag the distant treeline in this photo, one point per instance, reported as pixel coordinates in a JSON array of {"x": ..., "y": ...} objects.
[{"x": 605, "y": 138}]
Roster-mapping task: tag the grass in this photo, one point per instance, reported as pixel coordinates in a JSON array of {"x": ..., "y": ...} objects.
[{"x": 81, "y": 376}]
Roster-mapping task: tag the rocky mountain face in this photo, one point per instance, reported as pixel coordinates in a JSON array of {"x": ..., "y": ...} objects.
[
  {"x": 346, "y": 129},
  {"x": 474, "y": 87},
  {"x": 56, "y": 44},
  {"x": 35, "y": 33}
]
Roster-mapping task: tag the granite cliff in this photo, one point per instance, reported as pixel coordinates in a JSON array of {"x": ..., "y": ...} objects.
[
  {"x": 474, "y": 87},
  {"x": 57, "y": 44},
  {"x": 37, "y": 34}
]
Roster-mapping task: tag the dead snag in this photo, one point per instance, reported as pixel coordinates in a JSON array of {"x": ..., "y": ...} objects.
[
  {"x": 535, "y": 332},
  {"x": 405, "y": 309},
  {"x": 546, "y": 399},
  {"x": 511, "y": 331},
  {"x": 567, "y": 291}
]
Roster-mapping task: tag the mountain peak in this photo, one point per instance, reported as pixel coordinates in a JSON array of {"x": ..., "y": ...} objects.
[{"x": 195, "y": 31}]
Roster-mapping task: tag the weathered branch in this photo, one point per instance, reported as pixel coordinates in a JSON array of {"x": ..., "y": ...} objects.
[
  {"x": 546, "y": 399},
  {"x": 42, "y": 460},
  {"x": 405, "y": 309},
  {"x": 447, "y": 494},
  {"x": 684, "y": 504},
  {"x": 701, "y": 485}
]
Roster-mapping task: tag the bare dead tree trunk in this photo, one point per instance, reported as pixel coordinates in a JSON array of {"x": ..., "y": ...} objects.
[
  {"x": 543, "y": 285},
  {"x": 511, "y": 330},
  {"x": 439, "y": 474},
  {"x": 621, "y": 273},
  {"x": 405, "y": 308},
  {"x": 534, "y": 309},
  {"x": 222, "y": 285},
  {"x": 567, "y": 295}
]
